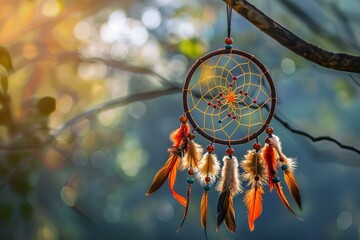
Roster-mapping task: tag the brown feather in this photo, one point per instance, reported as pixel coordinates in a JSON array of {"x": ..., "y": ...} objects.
[
  {"x": 293, "y": 187},
  {"x": 193, "y": 156},
  {"x": 283, "y": 199},
  {"x": 222, "y": 207},
  {"x": 186, "y": 207},
  {"x": 204, "y": 210},
  {"x": 230, "y": 216},
  {"x": 253, "y": 201},
  {"x": 162, "y": 175}
]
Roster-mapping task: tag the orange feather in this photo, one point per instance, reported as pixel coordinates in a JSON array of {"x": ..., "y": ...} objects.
[
  {"x": 204, "y": 209},
  {"x": 269, "y": 156},
  {"x": 293, "y": 187},
  {"x": 172, "y": 178},
  {"x": 177, "y": 135},
  {"x": 283, "y": 199},
  {"x": 253, "y": 201}
]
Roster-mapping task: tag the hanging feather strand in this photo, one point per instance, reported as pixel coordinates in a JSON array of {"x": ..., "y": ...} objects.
[
  {"x": 208, "y": 171},
  {"x": 169, "y": 170},
  {"x": 191, "y": 160},
  {"x": 255, "y": 173},
  {"x": 228, "y": 186},
  {"x": 288, "y": 166}
]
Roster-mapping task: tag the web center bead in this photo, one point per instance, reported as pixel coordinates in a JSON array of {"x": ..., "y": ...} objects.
[{"x": 231, "y": 97}]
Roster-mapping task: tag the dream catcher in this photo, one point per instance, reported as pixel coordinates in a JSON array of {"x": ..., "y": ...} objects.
[{"x": 229, "y": 98}]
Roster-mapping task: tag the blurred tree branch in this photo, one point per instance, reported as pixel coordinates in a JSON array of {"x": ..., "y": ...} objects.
[{"x": 337, "y": 61}]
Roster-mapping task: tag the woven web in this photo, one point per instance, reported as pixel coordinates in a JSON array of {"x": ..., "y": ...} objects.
[{"x": 226, "y": 97}]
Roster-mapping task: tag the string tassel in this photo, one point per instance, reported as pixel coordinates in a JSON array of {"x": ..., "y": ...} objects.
[
  {"x": 191, "y": 160},
  {"x": 255, "y": 173},
  {"x": 208, "y": 171},
  {"x": 228, "y": 186},
  {"x": 288, "y": 166},
  {"x": 170, "y": 168}
]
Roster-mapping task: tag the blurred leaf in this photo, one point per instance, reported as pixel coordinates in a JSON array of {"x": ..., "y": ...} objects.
[
  {"x": 26, "y": 209},
  {"x": 5, "y": 59},
  {"x": 6, "y": 213},
  {"x": 46, "y": 105},
  {"x": 192, "y": 47}
]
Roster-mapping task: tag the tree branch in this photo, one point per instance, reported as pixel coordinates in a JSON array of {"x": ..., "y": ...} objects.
[{"x": 337, "y": 61}]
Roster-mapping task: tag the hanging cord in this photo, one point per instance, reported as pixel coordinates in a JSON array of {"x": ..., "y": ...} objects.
[{"x": 228, "y": 12}]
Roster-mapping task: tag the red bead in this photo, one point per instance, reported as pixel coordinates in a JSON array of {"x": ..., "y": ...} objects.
[
  {"x": 191, "y": 136},
  {"x": 269, "y": 130},
  {"x": 234, "y": 78},
  {"x": 257, "y": 146},
  {"x": 240, "y": 91},
  {"x": 191, "y": 172},
  {"x": 256, "y": 178},
  {"x": 246, "y": 94},
  {"x": 210, "y": 148},
  {"x": 281, "y": 160},
  {"x": 228, "y": 40},
  {"x": 209, "y": 104},
  {"x": 234, "y": 117},
  {"x": 183, "y": 119},
  {"x": 230, "y": 151},
  {"x": 219, "y": 102},
  {"x": 214, "y": 106},
  {"x": 229, "y": 115},
  {"x": 254, "y": 101},
  {"x": 207, "y": 179},
  {"x": 230, "y": 85},
  {"x": 220, "y": 94}
]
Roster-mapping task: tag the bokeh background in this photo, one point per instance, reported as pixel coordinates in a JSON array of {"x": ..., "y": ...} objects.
[{"x": 110, "y": 67}]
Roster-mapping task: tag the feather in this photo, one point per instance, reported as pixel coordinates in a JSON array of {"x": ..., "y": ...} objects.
[
  {"x": 222, "y": 207},
  {"x": 283, "y": 199},
  {"x": 193, "y": 156},
  {"x": 293, "y": 187},
  {"x": 253, "y": 201},
  {"x": 254, "y": 165},
  {"x": 186, "y": 207},
  {"x": 230, "y": 216},
  {"x": 270, "y": 157},
  {"x": 288, "y": 171},
  {"x": 228, "y": 186},
  {"x": 177, "y": 135},
  {"x": 204, "y": 210},
  {"x": 172, "y": 178},
  {"x": 209, "y": 167},
  {"x": 229, "y": 176},
  {"x": 163, "y": 174}
]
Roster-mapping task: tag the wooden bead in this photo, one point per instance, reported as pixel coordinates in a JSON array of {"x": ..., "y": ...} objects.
[
  {"x": 183, "y": 119},
  {"x": 210, "y": 148},
  {"x": 191, "y": 172},
  {"x": 207, "y": 179},
  {"x": 269, "y": 130},
  {"x": 228, "y": 40},
  {"x": 230, "y": 151},
  {"x": 256, "y": 178},
  {"x": 191, "y": 136},
  {"x": 257, "y": 146}
]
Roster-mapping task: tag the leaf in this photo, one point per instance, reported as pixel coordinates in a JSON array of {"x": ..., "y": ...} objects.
[{"x": 5, "y": 59}]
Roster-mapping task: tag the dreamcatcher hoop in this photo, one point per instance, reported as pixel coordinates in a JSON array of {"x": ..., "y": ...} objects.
[{"x": 271, "y": 101}]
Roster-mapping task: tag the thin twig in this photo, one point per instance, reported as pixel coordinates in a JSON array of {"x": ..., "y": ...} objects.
[{"x": 315, "y": 54}]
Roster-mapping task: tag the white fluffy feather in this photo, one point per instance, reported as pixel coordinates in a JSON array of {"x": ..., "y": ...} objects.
[{"x": 230, "y": 176}]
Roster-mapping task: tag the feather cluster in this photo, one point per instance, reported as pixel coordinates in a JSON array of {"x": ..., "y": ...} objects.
[
  {"x": 270, "y": 156},
  {"x": 228, "y": 186},
  {"x": 290, "y": 164}
]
